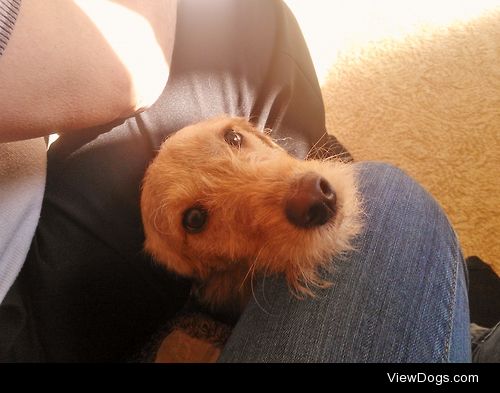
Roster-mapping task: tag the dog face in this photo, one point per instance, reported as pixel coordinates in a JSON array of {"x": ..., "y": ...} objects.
[{"x": 222, "y": 201}]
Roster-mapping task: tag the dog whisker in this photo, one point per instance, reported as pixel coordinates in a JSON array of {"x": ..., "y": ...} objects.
[
  {"x": 306, "y": 280},
  {"x": 264, "y": 276},
  {"x": 252, "y": 267},
  {"x": 284, "y": 139},
  {"x": 315, "y": 145},
  {"x": 252, "y": 276},
  {"x": 254, "y": 296}
]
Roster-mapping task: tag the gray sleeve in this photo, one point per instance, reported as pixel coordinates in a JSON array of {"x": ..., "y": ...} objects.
[{"x": 8, "y": 15}]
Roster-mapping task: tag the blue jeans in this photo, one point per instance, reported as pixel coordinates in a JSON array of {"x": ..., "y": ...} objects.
[
  {"x": 400, "y": 297},
  {"x": 87, "y": 291}
]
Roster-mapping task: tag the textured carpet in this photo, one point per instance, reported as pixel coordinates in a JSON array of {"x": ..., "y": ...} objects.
[{"x": 428, "y": 101}]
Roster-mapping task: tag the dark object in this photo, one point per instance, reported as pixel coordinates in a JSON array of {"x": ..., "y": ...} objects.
[
  {"x": 485, "y": 344},
  {"x": 194, "y": 219},
  {"x": 484, "y": 293}
]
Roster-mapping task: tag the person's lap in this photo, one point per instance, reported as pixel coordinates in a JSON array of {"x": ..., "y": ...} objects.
[
  {"x": 401, "y": 296},
  {"x": 88, "y": 292}
]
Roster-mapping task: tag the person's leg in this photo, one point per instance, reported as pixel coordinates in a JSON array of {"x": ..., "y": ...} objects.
[
  {"x": 87, "y": 291},
  {"x": 401, "y": 297}
]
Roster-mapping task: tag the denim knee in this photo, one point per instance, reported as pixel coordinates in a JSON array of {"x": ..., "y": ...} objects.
[
  {"x": 398, "y": 297},
  {"x": 384, "y": 185},
  {"x": 404, "y": 221},
  {"x": 390, "y": 196}
]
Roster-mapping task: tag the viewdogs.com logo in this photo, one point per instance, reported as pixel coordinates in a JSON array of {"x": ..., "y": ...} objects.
[{"x": 438, "y": 379}]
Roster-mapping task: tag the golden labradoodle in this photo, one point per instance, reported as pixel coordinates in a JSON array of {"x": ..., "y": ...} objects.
[{"x": 222, "y": 202}]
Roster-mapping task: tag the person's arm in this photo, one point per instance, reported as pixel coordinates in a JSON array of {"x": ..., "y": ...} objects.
[{"x": 72, "y": 64}]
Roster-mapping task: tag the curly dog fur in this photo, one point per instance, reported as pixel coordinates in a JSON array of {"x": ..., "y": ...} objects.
[{"x": 222, "y": 202}]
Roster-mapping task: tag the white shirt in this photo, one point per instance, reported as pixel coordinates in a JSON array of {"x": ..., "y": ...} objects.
[{"x": 23, "y": 167}]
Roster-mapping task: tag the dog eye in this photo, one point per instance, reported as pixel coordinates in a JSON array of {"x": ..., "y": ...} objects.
[
  {"x": 233, "y": 138},
  {"x": 194, "y": 219}
]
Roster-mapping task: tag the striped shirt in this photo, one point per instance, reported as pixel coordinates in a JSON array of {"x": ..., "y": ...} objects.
[
  {"x": 8, "y": 15},
  {"x": 22, "y": 182}
]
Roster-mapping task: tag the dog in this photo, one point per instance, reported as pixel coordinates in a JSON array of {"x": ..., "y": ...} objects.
[{"x": 222, "y": 202}]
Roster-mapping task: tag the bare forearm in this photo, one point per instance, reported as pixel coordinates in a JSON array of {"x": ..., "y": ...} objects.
[{"x": 74, "y": 64}]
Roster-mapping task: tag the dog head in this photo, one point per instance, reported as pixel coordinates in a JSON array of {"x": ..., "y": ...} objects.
[{"x": 222, "y": 200}]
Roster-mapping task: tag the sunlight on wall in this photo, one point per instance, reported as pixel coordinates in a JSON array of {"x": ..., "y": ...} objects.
[{"x": 333, "y": 26}]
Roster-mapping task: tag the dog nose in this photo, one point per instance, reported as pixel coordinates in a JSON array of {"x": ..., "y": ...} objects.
[{"x": 311, "y": 202}]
